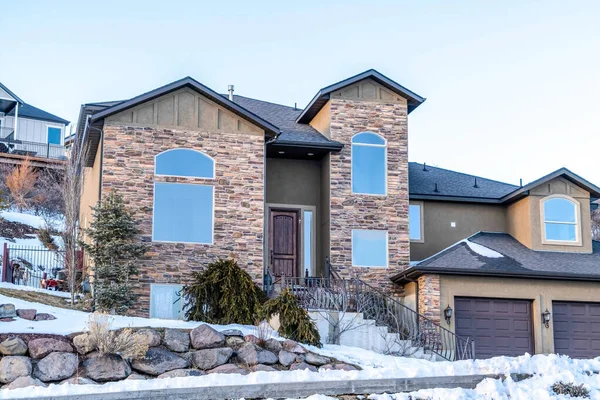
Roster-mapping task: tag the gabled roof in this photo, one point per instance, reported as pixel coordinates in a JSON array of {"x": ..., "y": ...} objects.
[
  {"x": 414, "y": 100},
  {"x": 197, "y": 86},
  {"x": 499, "y": 254},
  {"x": 453, "y": 186},
  {"x": 31, "y": 112},
  {"x": 14, "y": 96}
]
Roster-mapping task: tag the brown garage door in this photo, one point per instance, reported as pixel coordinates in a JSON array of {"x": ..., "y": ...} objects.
[
  {"x": 500, "y": 327},
  {"x": 576, "y": 329}
]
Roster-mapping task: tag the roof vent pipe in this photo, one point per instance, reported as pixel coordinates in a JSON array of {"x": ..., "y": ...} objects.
[
  {"x": 475, "y": 185},
  {"x": 424, "y": 166},
  {"x": 436, "y": 189},
  {"x": 521, "y": 182},
  {"x": 230, "y": 90}
]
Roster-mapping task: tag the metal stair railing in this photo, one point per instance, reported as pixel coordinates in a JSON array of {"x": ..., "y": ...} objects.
[{"x": 354, "y": 295}]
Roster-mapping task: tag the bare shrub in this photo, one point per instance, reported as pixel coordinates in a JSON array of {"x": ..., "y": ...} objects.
[
  {"x": 263, "y": 331},
  {"x": 106, "y": 341},
  {"x": 571, "y": 389},
  {"x": 20, "y": 182}
]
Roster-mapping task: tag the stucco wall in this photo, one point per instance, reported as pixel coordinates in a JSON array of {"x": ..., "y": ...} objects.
[
  {"x": 91, "y": 191},
  {"x": 438, "y": 232},
  {"x": 542, "y": 292},
  {"x": 519, "y": 221},
  {"x": 128, "y": 169},
  {"x": 322, "y": 121}
]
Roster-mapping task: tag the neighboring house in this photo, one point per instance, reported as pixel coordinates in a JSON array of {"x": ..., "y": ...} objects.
[
  {"x": 285, "y": 190},
  {"x": 27, "y": 131}
]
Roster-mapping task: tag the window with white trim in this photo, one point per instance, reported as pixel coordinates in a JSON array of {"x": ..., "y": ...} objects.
[
  {"x": 369, "y": 164},
  {"x": 560, "y": 220},
  {"x": 183, "y": 212},
  {"x": 414, "y": 222},
  {"x": 369, "y": 248}
]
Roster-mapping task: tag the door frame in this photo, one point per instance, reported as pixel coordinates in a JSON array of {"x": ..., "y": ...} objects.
[{"x": 300, "y": 242}]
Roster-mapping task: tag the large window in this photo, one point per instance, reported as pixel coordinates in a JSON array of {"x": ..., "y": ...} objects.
[
  {"x": 414, "y": 220},
  {"x": 54, "y": 135},
  {"x": 183, "y": 212},
  {"x": 560, "y": 220},
  {"x": 369, "y": 248},
  {"x": 369, "y": 169}
]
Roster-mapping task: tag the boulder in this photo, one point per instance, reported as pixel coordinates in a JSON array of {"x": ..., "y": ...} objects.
[
  {"x": 56, "y": 367},
  {"x": 148, "y": 337},
  {"x": 7, "y": 311},
  {"x": 299, "y": 366},
  {"x": 234, "y": 341},
  {"x": 136, "y": 377},
  {"x": 27, "y": 313},
  {"x": 263, "y": 368},
  {"x": 315, "y": 359},
  {"x": 286, "y": 358},
  {"x": 205, "y": 337},
  {"x": 44, "y": 317},
  {"x": 181, "y": 373},
  {"x": 158, "y": 361},
  {"x": 251, "y": 354},
  {"x": 232, "y": 332},
  {"x": 83, "y": 343},
  {"x": 273, "y": 345},
  {"x": 211, "y": 358},
  {"x": 13, "y": 367},
  {"x": 338, "y": 367},
  {"x": 107, "y": 367},
  {"x": 293, "y": 347},
  {"x": 7, "y": 319},
  {"x": 13, "y": 346},
  {"x": 177, "y": 340},
  {"x": 23, "y": 382},
  {"x": 228, "y": 369},
  {"x": 40, "y": 348},
  {"x": 78, "y": 381},
  {"x": 251, "y": 339}
]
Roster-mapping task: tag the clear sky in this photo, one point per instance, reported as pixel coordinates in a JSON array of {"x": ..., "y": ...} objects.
[{"x": 512, "y": 87}]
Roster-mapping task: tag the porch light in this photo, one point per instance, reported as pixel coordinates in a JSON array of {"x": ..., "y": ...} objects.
[
  {"x": 546, "y": 318},
  {"x": 310, "y": 154},
  {"x": 448, "y": 314},
  {"x": 281, "y": 152}
]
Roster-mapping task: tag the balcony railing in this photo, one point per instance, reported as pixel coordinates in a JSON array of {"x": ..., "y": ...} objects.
[{"x": 8, "y": 145}]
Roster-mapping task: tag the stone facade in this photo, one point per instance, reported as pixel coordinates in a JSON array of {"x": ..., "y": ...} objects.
[
  {"x": 353, "y": 211},
  {"x": 429, "y": 297},
  {"x": 128, "y": 168}
]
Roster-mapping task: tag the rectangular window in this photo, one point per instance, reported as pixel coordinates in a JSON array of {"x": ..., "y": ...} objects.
[
  {"x": 414, "y": 221},
  {"x": 308, "y": 242},
  {"x": 165, "y": 301},
  {"x": 368, "y": 170},
  {"x": 183, "y": 213},
  {"x": 54, "y": 135},
  {"x": 369, "y": 248}
]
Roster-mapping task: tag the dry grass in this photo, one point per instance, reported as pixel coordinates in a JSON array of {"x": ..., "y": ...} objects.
[
  {"x": 106, "y": 341},
  {"x": 42, "y": 298},
  {"x": 263, "y": 331}
]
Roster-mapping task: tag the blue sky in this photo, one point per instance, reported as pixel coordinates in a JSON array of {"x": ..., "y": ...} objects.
[{"x": 512, "y": 86}]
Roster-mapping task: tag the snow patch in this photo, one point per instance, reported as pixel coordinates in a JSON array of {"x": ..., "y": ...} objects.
[
  {"x": 12, "y": 286},
  {"x": 482, "y": 250}
]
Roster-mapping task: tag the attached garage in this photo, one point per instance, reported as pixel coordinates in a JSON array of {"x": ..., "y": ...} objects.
[
  {"x": 576, "y": 329},
  {"x": 500, "y": 327}
]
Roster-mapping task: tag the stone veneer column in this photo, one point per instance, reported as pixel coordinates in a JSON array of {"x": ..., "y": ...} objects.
[
  {"x": 128, "y": 169},
  {"x": 351, "y": 211},
  {"x": 428, "y": 287}
]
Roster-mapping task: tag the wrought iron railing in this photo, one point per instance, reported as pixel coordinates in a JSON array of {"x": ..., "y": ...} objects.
[
  {"x": 8, "y": 145},
  {"x": 409, "y": 329}
]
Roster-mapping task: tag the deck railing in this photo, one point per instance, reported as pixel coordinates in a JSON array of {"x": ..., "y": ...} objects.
[
  {"x": 354, "y": 295},
  {"x": 8, "y": 145}
]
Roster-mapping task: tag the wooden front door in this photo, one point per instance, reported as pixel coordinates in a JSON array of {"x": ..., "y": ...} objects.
[{"x": 283, "y": 243}]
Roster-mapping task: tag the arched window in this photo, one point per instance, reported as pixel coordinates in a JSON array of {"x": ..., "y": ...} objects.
[
  {"x": 561, "y": 219},
  {"x": 369, "y": 164},
  {"x": 184, "y": 162},
  {"x": 183, "y": 212}
]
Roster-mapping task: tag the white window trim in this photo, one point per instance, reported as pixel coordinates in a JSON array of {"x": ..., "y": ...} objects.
[
  {"x": 420, "y": 204},
  {"x": 181, "y": 311},
  {"x": 387, "y": 249},
  {"x": 214, "y": 164},
  {"x": 577, "y": 223},
  {"x": 212, "y": 232},
  {"x": 385, "y": 162},
  {"x": 62, "y": 139}
]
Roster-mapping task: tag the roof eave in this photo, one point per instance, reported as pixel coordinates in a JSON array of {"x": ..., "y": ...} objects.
[
  {"x": 7, "y": 90},
  {"x": 458, "y": 199},
  {"x": 332, "y": 146}
]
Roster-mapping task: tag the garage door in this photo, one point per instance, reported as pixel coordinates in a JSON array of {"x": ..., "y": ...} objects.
[
  {"x": 500, "y": 327},
  {"x": 576, "y": 329}
]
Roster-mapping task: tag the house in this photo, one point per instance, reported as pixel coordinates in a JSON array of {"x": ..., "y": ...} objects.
[
  {"x": 27, "y": 131},
  {"x": 324, "y": 191}
]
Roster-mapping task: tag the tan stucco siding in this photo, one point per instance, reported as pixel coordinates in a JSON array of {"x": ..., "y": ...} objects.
[
  {"x": 91, "y": 191},
  {"x": 322, "y": 121},
  {"x": 438, "y": 232},
  {"x": 541, "y": 292},
  {"x": 519, "y": 221}
]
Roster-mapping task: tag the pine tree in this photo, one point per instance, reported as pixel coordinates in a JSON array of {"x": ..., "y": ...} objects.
[{"x": 114, "y": 249}]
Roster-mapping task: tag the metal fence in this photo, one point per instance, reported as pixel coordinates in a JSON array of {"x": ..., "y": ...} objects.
[
  {"x": 32, "y": 149},
  {"x": 32, "y": 266}
]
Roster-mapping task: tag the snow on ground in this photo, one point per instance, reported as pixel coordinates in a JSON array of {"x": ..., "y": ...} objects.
[
  {"x": 12, "y": 286},
  {"x": 547, "y": 369},
  {"x": 24, "y": 218}
]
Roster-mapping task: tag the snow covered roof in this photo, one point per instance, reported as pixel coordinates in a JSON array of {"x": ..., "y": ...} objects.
[{"x": 499, "y": 254}]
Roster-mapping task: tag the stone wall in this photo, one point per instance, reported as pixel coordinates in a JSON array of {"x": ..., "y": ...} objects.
[
  {"x": 239, "y": 199},
  {"x": 429, "y": 297},
  {"x": 351, "y": 211}
]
